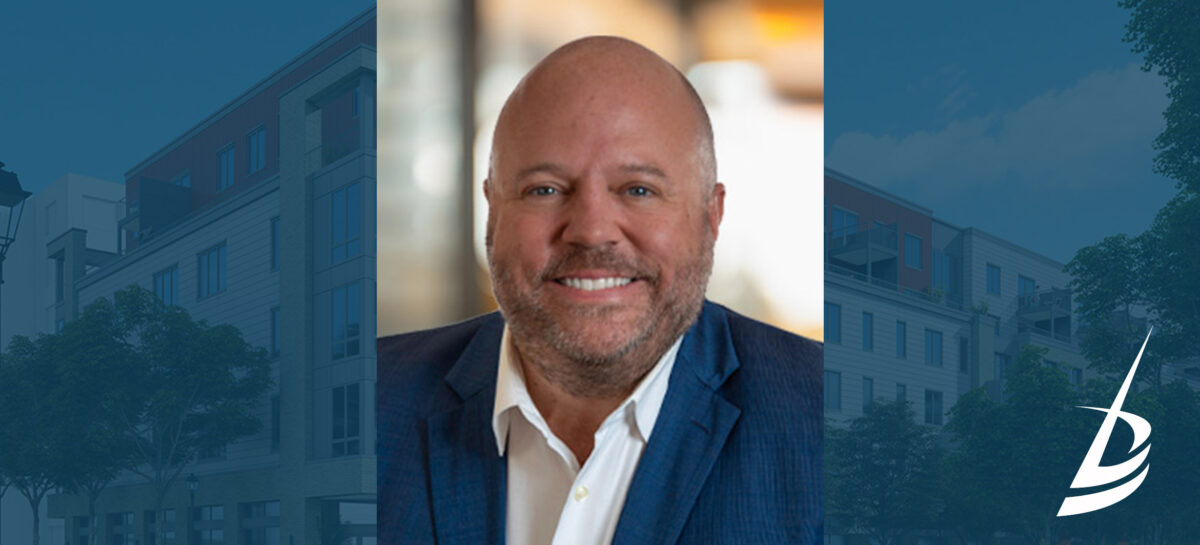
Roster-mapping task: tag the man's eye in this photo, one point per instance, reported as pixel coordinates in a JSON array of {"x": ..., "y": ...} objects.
[
  {"x": 638, "y": 191},
  {"x": 543, "y": 191}
]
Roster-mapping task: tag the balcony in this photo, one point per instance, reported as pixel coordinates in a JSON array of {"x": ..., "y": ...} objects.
[
  {"x": 1044, "y": 304},
  {"x": 863, "y": 247}
]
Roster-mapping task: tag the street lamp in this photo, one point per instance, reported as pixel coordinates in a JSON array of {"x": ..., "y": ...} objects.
[
  {"x": 12, "y": 202},
  {"x": 193, "y": 483}
]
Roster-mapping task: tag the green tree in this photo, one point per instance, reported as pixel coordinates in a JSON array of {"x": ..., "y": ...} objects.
[
  {"x": 880, "y": 469},
  {"x": 201, "y": 384},
  {"x": 1164, "y": 32},
  {"x": 1015, "y": 458}
]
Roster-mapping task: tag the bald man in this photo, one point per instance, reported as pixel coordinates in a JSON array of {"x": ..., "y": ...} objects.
[{"x": 607, "y": 401}]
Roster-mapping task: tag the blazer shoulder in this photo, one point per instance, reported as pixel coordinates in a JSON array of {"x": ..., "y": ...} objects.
[
  {"x": 778, "y": 370},
  {"x": 757, "y": 340},
  {"x": 412, "y": 366}
]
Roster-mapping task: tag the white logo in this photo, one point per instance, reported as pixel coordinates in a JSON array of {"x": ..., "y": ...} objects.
[{"x": 1092, "y": 474}]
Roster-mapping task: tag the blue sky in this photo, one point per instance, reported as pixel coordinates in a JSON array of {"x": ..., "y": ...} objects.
[
  {"x": 1032, "y": 121},
  {"x": 94, "y": 88}
]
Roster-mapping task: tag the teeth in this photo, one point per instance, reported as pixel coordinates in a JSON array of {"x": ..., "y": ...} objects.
[{"x": 593, "y": 284}]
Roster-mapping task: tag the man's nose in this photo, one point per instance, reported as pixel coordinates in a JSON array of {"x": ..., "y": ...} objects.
[{"x": 592, "y": 218}]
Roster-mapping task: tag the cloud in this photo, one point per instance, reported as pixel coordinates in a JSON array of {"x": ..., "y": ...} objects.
[{"x": 1094, "y": 134}]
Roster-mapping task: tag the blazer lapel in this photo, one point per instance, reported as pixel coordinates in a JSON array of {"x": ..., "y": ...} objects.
[
  {"x": 688, "y": 436},
  {"x": 467, "y": 474}
]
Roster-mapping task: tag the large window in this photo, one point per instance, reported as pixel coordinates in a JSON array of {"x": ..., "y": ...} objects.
[
  {"x": 1025, "y": 289},
  {"x": 121, "y": 530},
  {"x": 868, "y": 393},
  {"x": 933, "y": 407},
  {"x": 152, "y": 527},
  {"x": 901, "y": 340},
  {"x": 225, "y": 172},
  {"x": 844, "y": 222},
  {"x": 964, "y": 355},
  {"x": 208, "y": 525},
  {"x": 901, "y": 393},
  {"x": 940, "y": 263},
  {"x": 833, "y": 391},
  {"x": 345, "y": 420},
  {"x": 868, "y": 331},
  {"x": 346, "y": 322},
  {"x": 912, "y": 251},
  {"x": 833, "y": 323},
  {"x": 346, "y": 220},
  {"x": 210, "y": 271},
  {"x": 993, "y": 279},
  {"x": 256, "y": 150},
  {"x": 260, "y": 523},
  {"x": 933, "y": 347},
  {"x": 1000, "y": 365},
  {"x": 275, "y": 423},
  {"x": 166, "y": 285}
]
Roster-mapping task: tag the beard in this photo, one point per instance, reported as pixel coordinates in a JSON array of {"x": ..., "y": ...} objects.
[{"x": 587, "y": 349}]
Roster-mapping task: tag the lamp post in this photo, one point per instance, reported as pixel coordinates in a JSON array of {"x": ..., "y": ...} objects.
[
  {"x": 12, "y": 202},
  {"x": 193, "y": 483}
]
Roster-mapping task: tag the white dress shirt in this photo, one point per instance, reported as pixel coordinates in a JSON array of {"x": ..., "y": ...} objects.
[{"x": 551, "y": 500}]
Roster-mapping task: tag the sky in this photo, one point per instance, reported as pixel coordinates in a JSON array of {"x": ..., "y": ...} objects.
[
  {"x": 1031, "y": 121},
  {"x": 95, "y": 87}
]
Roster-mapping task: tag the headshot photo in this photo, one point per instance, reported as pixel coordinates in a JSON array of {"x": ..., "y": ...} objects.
[{"x": 607, "y": 400}]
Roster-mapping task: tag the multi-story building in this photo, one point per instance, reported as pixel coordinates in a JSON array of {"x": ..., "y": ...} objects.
[
  {"x": 921, "y": 310},
  {"x": 262, "y": 216}
]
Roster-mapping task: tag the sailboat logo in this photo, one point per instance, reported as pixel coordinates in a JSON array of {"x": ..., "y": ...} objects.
[{"x": 1092, "y": 474}]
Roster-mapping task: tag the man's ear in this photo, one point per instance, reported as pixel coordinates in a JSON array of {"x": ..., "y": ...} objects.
[
  {"x": 716, "y": 208},
  {"x": 487, "y": 186}
]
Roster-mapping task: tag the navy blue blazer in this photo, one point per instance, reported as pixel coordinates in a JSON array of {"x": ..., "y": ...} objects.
[{"x": 735, "y": 456}]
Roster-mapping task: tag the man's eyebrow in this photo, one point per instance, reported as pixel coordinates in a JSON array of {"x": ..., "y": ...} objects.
[
  {"x": 641, "y": 168},
  {"x": 552, "y": 168}
]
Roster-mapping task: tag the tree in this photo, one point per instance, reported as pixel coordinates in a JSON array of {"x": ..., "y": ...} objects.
[
  {"x": 881, "y": 472},
  {"x": 200, "y": 383},
  {"x": 1164, "y": 31},
  {"x": 1016, "y": 458}
]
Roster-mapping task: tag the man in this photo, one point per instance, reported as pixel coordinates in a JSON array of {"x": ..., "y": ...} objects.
[{"x": 607, "y": 402}]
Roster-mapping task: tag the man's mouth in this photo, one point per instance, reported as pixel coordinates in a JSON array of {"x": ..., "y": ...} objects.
[{"x": 594, "y": 284}]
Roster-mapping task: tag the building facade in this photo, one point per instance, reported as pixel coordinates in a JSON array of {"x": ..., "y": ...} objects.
[
  {"x": 920, "y": 310},
  {"x": 262, "y": 216}
]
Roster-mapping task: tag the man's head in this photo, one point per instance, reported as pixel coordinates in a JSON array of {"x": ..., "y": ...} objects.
[{"x": 603, "y": 208}]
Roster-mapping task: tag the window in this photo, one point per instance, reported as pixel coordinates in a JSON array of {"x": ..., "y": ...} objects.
[
  {"x": 844, "y": 223},
  {"x": 356, "y": 105},
  {"x": 275, "y": 244},
  {"x": 151, "y": 522},
  {"x": 60, "y": 279},
  {"x": 901, "y": 340},
  {"x": 346, "y": 220},
  {"x": 901, "y": 393},
  {"x": 1025, "y": 290},
  {"x": 121, "y": 530},
  {"x": 964, "y": 355},
  {"x": 833, "y": 391},
  {"x": 275, "y": 423},
  {"x": 933, "y": 348},
  {"x": 166, "y": 285},
  {"x": 345, "y": 420},
  {"x": 260, "y": 523},
  {"x": 993, "y": 279},
  {"x": 256, "y": 150},
  {"x": 833, "y": 323},
  {"x": 210, "y": 271},
  {"x": 225, "y": 170},
  {"x": 208, "y": 525},
  {"x": 868, "y": 392},
  {"x": 1000, "y": 365},
  {"x": 346, "y": 331},
  {"x": 933, "y": 407},
  {"x": 868, "y": 331},
  {"x": 940, "y": 263},
  {"x": 275, "y": 332},
  {"x": 912, "y": 251}
]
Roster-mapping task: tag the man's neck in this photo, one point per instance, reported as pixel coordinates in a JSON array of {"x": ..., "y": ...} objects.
[{"x": 572, "y": 419}]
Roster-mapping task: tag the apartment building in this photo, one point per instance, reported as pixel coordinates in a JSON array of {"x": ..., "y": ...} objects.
[
  {"x": 921, "y": 310},
  {"x": 262, "y": 216}
]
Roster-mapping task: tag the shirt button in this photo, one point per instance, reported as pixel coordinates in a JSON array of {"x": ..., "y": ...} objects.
[{"x": 580, "y": 493}]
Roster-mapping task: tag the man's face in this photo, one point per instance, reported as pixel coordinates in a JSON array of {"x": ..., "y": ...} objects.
[{"x": 600, "y": 227}]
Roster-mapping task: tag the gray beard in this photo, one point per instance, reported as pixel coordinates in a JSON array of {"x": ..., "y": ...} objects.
[{"x": 587, "y": 373}]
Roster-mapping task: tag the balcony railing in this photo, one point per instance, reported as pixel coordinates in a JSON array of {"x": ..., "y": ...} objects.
[
  {"x": 883, "y": 237},
  {"x": 935, "y": 296}
]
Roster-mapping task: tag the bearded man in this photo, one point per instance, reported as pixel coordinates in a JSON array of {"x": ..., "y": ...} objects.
[{"x": 607, "y": 401}]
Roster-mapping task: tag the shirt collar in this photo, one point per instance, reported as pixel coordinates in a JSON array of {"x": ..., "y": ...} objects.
[{"x": 512, "y": 396}]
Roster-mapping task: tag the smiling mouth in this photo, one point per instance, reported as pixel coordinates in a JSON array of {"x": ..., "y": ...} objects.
[{"x": 595, "y": 284}]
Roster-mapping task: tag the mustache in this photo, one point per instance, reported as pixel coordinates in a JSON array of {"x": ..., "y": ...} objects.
[{"x": 577, "y": 258}]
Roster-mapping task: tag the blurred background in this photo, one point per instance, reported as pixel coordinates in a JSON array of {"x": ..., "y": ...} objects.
[{"x": 445, "y": 69}]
